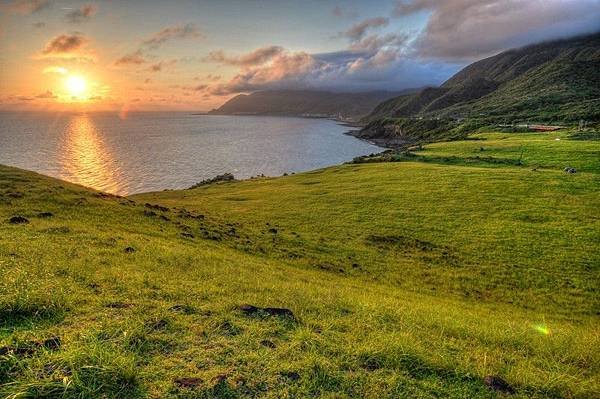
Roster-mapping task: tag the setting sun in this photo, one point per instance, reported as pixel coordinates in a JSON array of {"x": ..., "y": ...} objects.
[{"x": 76, "y": 85}]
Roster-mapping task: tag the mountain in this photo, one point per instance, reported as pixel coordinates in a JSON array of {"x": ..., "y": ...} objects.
[
  {"x": 556, "y": 81},
  {"x": 305, "y": 103}
]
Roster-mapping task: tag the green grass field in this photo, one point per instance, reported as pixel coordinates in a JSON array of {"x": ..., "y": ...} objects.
[{"x": 411, "y": 279}]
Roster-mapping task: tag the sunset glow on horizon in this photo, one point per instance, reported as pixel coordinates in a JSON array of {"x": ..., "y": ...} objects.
[{"x": 195, "y": 55}]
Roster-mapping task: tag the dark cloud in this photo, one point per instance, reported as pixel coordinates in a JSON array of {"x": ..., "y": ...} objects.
[
  {"x": 135, "y": 58},
  {"x": 27, "y": 7},
  {"x": 358, "y": 31},
  {"x": 46, "y": 94},
  {"x": 83, "y": 14},
  {"x": 174, "y": 32},
  {"x": 470, "y": 29},
  {"x": 160, "y": 65},
  {"x": 155, "y": 41},
  {"x": 256, "y": 57},
  {"x": 65, "y": 44}
]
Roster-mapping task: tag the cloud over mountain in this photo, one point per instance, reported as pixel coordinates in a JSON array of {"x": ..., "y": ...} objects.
[{"x": 468, "y": 29}]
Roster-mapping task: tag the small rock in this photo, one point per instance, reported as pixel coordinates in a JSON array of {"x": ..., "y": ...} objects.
[
  {"x": 498, "y": 384},
  {"x": 570, "y": 170},
  {"x": 18, "y": 220},
  {"x": 273, "y": 231},
  {"x": 291, "y": 375},
  {"x": 254, "y": 310},
  {"x": 268, "y": 344},
  {"x": 129, "y": 250},
  {"x": 188, "y": 382},
  {"x": 45, "y": 214}
]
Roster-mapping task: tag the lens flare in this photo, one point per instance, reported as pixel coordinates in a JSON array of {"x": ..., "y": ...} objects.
[{"x": 542, "y": 329}]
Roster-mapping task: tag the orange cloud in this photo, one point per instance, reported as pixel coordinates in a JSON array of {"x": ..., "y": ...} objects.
[
  {"x": 69, "y": 46},
  {"x": 256, "y": 57},
  {"x": 135, "y": 58}
]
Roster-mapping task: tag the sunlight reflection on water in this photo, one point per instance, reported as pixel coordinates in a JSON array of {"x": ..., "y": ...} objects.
[
  {"x": 85, "y": 159},
  {"x": 156, "y": 151}
]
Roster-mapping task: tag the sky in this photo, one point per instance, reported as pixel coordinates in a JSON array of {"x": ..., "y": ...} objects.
[{"x": 196, "y": 54}]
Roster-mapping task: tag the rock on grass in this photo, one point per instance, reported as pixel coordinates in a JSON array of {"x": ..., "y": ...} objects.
[
  {"x": 18, "y": 220},
  {"x": 496, "y": 383},
  {"x": 255, "y": 310}
]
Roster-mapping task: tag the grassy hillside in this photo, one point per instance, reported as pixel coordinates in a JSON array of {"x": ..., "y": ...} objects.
[
  {"x": 552, "y": 82},
  {"x": 406, "y": 279},
  {"x": 547, "y": 81}
]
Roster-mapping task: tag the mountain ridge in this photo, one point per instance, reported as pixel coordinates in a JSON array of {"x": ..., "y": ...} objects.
[
  {"x": 553, "y": 81},
  {"x": 315, "y": 103}
]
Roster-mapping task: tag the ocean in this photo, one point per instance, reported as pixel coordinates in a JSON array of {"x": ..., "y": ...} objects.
[{"x": 152, "y": 151}]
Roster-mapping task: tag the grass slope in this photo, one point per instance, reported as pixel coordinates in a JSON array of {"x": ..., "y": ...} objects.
[
  {"x": 409, "y": 279},
  {"x": 550, "y": 81}
]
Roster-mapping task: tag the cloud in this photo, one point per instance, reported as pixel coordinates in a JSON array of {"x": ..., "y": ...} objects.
[
  {"x": 256, "y": 57},
  {"x": 363, "y": 65},
  {"x": 340, "y": 12},
  {"x": 160, "y": 65},
  {"x": 174, "y": 32},
  {"x": 65, "y": 44},
  {"x": 358, "y": 31},
  {"x": 39, "y": 25},
  {"x": 382, "y": 68},
  {"x": 471, "y": 29},
  {"x": 27, "y": 7},
  {"x": 138, "y": 56},
  {"x": 83, "y": 14},
  {"x": 56, "y": 69},
  {"x": 376, "y": 42},
  {"x": 46, "y": 95},
  {"x": 135, "y": 58}
]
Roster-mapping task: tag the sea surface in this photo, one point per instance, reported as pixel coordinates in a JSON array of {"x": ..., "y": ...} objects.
[{"x": 155, "y": 151}]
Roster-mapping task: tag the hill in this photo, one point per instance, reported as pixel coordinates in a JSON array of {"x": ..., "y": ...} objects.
[
  {"x": 554, "y": 82},
  {"x": 349, "y": 106},
  {"x": 416, "y": 278}
]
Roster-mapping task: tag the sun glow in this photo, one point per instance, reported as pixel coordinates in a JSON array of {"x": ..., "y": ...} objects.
[{"x": 76, "y": 85}]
